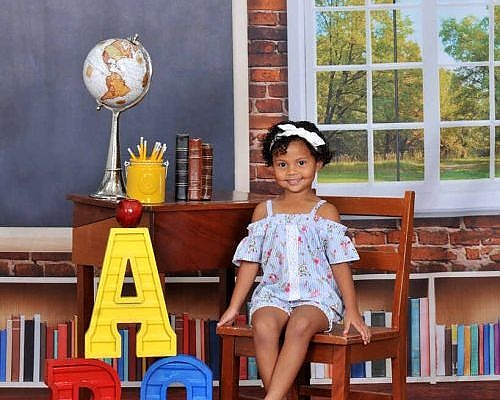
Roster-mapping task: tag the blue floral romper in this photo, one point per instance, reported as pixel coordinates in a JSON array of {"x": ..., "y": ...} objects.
[{"x": 295, "y": 252}]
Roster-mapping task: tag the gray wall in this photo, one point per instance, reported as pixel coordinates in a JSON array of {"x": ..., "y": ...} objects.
[{"x": 53, "y": 141}]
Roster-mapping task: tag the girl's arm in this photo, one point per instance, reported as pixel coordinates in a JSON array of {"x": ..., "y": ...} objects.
[
  {"x": 245, "y": 278},
  {"x": 352, "y": 316},
  {"x": 244, "y": 281}
]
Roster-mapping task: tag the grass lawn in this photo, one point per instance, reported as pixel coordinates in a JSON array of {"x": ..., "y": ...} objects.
[{"x": 385, "y": 171}]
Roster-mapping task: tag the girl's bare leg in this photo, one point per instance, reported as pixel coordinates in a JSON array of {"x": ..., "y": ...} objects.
[
  {"x": 267, "y": 325},
  {"x": 304, "y": 322}
]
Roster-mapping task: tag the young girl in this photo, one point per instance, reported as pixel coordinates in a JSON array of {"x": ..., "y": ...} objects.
[{"x": 303, "y": 251}]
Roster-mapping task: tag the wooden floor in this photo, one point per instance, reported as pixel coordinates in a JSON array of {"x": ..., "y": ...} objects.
[{"x": 487, "y": 390}]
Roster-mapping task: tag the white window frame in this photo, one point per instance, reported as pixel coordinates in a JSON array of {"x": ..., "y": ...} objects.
[{"x": 434, "y": 197}]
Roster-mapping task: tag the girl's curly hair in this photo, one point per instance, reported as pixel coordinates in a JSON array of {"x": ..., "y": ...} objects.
[{"x": 270, "y": 147}]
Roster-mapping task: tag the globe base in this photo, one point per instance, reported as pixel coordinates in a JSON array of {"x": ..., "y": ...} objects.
[{"x": 111, "y": 187}]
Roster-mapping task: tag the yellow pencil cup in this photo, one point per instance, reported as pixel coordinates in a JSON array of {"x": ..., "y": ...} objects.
[{"x": 146, "y": 180}]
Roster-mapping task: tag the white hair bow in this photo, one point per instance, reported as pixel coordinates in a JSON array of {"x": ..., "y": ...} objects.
[{"x": 291, "y": 130}]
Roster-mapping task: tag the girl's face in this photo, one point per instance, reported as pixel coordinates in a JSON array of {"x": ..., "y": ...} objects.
[{"x": 295, "y": 170}]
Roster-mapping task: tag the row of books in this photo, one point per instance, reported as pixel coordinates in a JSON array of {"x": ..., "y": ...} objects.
[
  {"x": 25, "y": 344},
  {"x": 193, "y": 168},
  {"x": 468, "y": 349}
]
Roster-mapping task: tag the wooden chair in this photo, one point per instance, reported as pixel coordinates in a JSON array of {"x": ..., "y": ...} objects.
[{"x": 334, "y": 348}]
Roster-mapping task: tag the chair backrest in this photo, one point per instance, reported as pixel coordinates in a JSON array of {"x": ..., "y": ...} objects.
[{"x": 373, "y": 259}]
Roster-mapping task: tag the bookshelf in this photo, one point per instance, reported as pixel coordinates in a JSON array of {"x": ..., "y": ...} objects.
[{"x": 454, "y": 297}]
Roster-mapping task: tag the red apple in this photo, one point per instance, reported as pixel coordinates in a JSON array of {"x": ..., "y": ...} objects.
[{"x": 129, "y": 213}]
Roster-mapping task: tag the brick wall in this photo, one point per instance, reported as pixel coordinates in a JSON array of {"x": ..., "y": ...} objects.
[
  {"x": 37, "y": 263},
  {"x": 440, "y": 244}
]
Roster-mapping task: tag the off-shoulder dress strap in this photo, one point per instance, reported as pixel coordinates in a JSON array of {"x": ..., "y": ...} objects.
[
  {"x": 269, "y": 206},
  {"x": 317, "y": 206}
]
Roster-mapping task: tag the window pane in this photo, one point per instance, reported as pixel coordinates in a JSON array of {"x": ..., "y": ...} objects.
[
  {"x": 341, "y": 97},
  {"x": 397, "y": 96},
  {"x": 497, "y": 92},
  {"x": 350, "y": 157},
  {"x": 396, "y": 36},
  {"x": 337, "y": 3},
  {"x": 497, "y": 152},
  {"x": 463, "y": 33},
  {"x": 464, "y": 93},
  {"x": 399, "y": 155},
  {"x": 497, "y": 33},
  {"x": 465, "y": 153},
  {"x": 340, "y": 38}
]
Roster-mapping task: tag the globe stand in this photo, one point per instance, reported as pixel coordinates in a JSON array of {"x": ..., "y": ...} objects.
[{"x": 112, "y": 186}]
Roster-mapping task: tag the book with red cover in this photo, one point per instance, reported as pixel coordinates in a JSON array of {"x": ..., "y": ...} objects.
[
  {"x": 480, "y": 349},
  {"x": 207, "y": 162},
  {"x": 192, "y": 337},
  {"x": 62, "y": 341},
  {"x": 16, "y": 337},
  {"x": 185, "y": 333},
  {"x": 132, "y": 352},
  {"x": 194, "y": 169},
  {"x": 179, "y": 331}
]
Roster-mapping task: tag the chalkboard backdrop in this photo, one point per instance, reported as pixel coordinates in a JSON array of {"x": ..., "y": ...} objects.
[{"x": 52, "y": 139}]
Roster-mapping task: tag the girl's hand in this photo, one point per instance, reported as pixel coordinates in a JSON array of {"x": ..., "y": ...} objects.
[
  {"x": 355, "y": 319},
  {"x": 228, "y": 317}
]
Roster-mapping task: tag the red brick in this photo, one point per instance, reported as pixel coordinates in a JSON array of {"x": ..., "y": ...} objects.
[
  {"x": 369, "y": 238},
  {"x": 492, "y": 240},
  {"x": 27, "y": 269},
  {"x": 265, "y": 75},
  {"x": 424, "y": 267},
  {"x": 51, "y": 256},
  {"x": 257, "y": 91},
  {"x": 267, "y": 33},
  {"x": 282, "y": 47},
  {"x": 14, "y": 255},
  {"x": 276, "y": 5},
  {"x": 256, "y": 156},
  {"x": 265, "y": 187},
  {"x": 434, "y": 237},
  {"x": 489, "y": 221},
  {"x": 263, "y": 18},
  {"x": 269, "y": 106},
  {"x": 278, "y": 90},
  {"x": 60, "y": 269},
  {"x": 472, "y": 253},
  {"x": 4, "y": 268},
  {"x": 265, "y": 121},
  {"x": 261, "y": 47},
  {"x": 443, "y": 222},
  {"x": 267, "y": 60},
  {"x": 495, "y": 256},
  {"x": 264, "y": 172},
  {"x": 491, "y": 267},
  {"x": 424, "y": 253},
  {"x": 466, "y": 237},
  {"x": 283, "y": 18}
]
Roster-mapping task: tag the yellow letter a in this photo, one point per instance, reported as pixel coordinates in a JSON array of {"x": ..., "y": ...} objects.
[{"x": 156, "y": 337}]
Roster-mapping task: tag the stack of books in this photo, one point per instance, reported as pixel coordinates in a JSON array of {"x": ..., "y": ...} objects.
[
  {"x": 25, "y": 344},
  {"x": 468, "y": 349},
  {"x": 193, "y": 168}
]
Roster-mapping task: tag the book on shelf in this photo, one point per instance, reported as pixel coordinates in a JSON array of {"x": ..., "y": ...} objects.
[
  {"x": 388, "y": 362},
  {"x": 486, "y": 348},
  {"x": 467, "y": 350},
  {"x": 132, "y": 351},
  {"x": 214, "y": 349},
  {"x": 367, "y": 316},
  {"x": 194, "y": 168},
  {"x": 496, "y": 335},
  {"x": 492, "y": 354},
  {"x": 22, "y": 327},
  {"x": 29, "y": 348},
  {"x": 440, "y": 349},
  {"x": 358, "y": 370},
  {"x": 192, "y": 337},
  {"x": 378, "y": 366},
  {"x": 253, "y": 373},
  {"x": 8, "y": 353},
  {"x": 16, "y": 327},
  {"x": 181, "y": 166},
  {"x": 3, "y": 353},
  {"x": 185, "y": 333},
  {"x": 460, "y": 349},
  {"x": 241, "y": 320},
  {"x": 415, "y": 336},
  {"x": 447, "y": 351},
  {"x": 425, "y": 369},
  {"x": 37, "y": 347},
  {"x": 480, "y": 353},
  {"x": 62, "y": 341},
  {"x": 474, "y": 349},
  {"x": 207, "y": 165},
  {"x": 43, "y": 349}
]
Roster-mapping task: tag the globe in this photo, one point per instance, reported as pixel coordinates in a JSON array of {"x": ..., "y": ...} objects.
[{"x": 117, "y": 73}]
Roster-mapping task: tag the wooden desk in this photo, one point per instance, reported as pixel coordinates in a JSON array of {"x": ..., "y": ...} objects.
[{"x": 187, "y": 237}]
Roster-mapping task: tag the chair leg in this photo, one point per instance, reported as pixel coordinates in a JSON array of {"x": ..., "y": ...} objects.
[
  {"x": 341, "y": 373},
  {"x": 229, "y": 379},
  {"x": 399, "y": 390}
]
